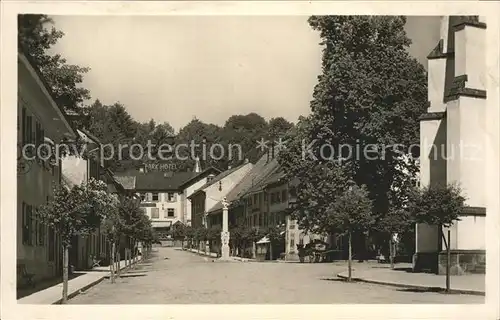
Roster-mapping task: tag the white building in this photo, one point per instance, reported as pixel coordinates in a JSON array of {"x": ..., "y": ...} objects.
[
  {"x": 164, "y": 195},
  {"x": 456, "y": 135}
]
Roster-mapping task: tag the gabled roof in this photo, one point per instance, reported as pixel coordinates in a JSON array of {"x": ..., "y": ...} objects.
[
  {"x": 262, "y": 168},
  {"x": 128, "y": 182},
  {"x": 157, "y": 180},
  {"x": 218, "y": 178},
  {"x": 200, "y": 175},
  {"x": 88, "y": 136}
]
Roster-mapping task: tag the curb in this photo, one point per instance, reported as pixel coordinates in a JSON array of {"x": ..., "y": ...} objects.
[
  {"x": 409, "y": 286},
  {"x": 90, "y": 285},
  {"x": 85, "y": 288}
]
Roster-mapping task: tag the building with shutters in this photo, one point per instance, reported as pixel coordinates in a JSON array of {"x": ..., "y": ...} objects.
[{"x": 40, "y": 122}]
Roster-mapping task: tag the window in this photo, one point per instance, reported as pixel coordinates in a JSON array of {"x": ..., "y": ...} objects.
[
  {"x": 52, "y": 239},
  {"x": 143, "y": 196},
  {"x": 155, "y": 196},
  {"x": 278, "y": 197},
  {"x": 27, "y": 221},
  {"x": 284, "y": 195},
  {"x": 171, "y": 197},
  {"x": 273, "y": 198},
  {"x": 155, "y": 213},
  {"x": 170, "y": 212},
  {"x": 256, "y": 198},
  {"x": 265, "y": 197},
  {"x": 40, "y": 231}
]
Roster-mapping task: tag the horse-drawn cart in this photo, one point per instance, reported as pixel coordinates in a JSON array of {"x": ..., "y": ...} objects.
[{"x": 316, "y": 251}]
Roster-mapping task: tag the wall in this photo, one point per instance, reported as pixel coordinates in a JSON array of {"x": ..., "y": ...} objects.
[
  {"x": 186, "y": 204},
  {"x": 35, "y": 187}
]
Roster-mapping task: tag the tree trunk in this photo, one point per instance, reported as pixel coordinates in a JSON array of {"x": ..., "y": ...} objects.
[
  {"x": 65, "y": 274},
  {"x": 448, "y": 263},
  {"x": 391, "y": 253},
  {"x": 349, "y": 262},
  {"x": 113, "y": 248},
  {"x": 271, "y": 251},
  {"x": 254, "y": 250},
  {"x": 118, "y": 258}
]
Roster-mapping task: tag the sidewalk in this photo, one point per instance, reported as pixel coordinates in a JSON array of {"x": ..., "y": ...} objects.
[
  {"x": 401, "y": 276},
  {"x": 53, "y": 295}
]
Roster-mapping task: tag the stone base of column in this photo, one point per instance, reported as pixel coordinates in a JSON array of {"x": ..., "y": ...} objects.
[
  {"x": 463, "y": 261},
  {"x": 224, "y": 253}
]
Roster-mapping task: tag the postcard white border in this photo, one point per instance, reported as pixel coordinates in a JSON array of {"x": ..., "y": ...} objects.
[{"x": 11, "y": 310}]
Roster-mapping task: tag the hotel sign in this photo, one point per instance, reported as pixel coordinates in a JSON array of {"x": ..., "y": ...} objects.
[{"x": 148, "y": 204}]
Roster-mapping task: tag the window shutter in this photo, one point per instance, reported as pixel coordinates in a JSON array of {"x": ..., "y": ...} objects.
[{"x": 23, "y": 126}]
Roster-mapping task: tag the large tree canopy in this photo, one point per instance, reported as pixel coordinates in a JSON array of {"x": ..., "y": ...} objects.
[
  {"x": 365, "y": 112},
  {"x": 36, "y": 35}
]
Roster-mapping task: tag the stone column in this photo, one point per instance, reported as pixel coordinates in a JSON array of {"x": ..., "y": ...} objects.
[{"x": 225, "y": 231}]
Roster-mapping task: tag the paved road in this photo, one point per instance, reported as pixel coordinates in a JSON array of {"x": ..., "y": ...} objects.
[{"x": 188, "y": 278}]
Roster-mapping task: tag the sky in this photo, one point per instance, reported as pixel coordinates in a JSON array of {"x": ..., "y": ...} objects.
[{"x": 175, "y": 68}]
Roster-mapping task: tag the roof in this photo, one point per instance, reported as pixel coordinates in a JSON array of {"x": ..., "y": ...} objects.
[
  {"x": 262, "y": 168},
  {"x": 85, "y": 134},
  {"x": 128, "y": 182},
  {"x": 218, "y": 178},
  {"x": 31, "y": 66},
  {"x": 202, "y": 174},
  {"x": 273, "y": 176},
  {"x": 157, "y": 180}
]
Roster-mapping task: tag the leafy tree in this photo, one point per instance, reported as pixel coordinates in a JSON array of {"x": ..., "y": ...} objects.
[
  {"x": 274, "y": 233},
  {"x": 440, "y": 205},
  {"x": 364, "y": 112},
  {"x": 36, "y": 36},
  {"x": 349, "y": 213},
  {"x": 213, "y": 234},
  {"x": 77, "y": 211},
  {"x": 113, "y": 126},
  {"x": 245, "y": 130},
  {"x": 277, "y": 127}
]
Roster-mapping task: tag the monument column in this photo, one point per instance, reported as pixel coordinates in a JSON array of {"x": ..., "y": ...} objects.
[{"x": 225, "y": 231}]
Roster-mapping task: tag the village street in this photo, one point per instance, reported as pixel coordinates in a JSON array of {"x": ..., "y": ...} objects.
[{"x": 186, "y": 277}]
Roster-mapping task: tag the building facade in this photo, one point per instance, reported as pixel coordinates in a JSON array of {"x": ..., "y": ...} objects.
[
  {"x": 454, "y": 141},
  {"x": 40, "y": 122},
  {"x": 211, "y": 194},
  {"x": 164, "y": 195}
]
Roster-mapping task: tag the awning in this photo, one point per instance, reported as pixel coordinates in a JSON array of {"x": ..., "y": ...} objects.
[
  {"x": 266, "y": 239},
  {"x": 48, "y": 140},
  {"x": 263, "y": 240}
]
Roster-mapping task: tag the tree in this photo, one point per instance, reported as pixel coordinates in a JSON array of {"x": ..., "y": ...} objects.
[
  {"x": 36, "y": 37},
  {"x": 213, "y": 234},
  {"x": 275, "y": 235},
  {"x": 114, "y": 127},
  {"x": 349, "y": 213},
  {"x": 440, "y": 205},
  {"x": 365, "y": 109},
  {"x": 112, "y": 227},
  {"x": 77, "y": 211},
  {"x": 277, "y": 127}
]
